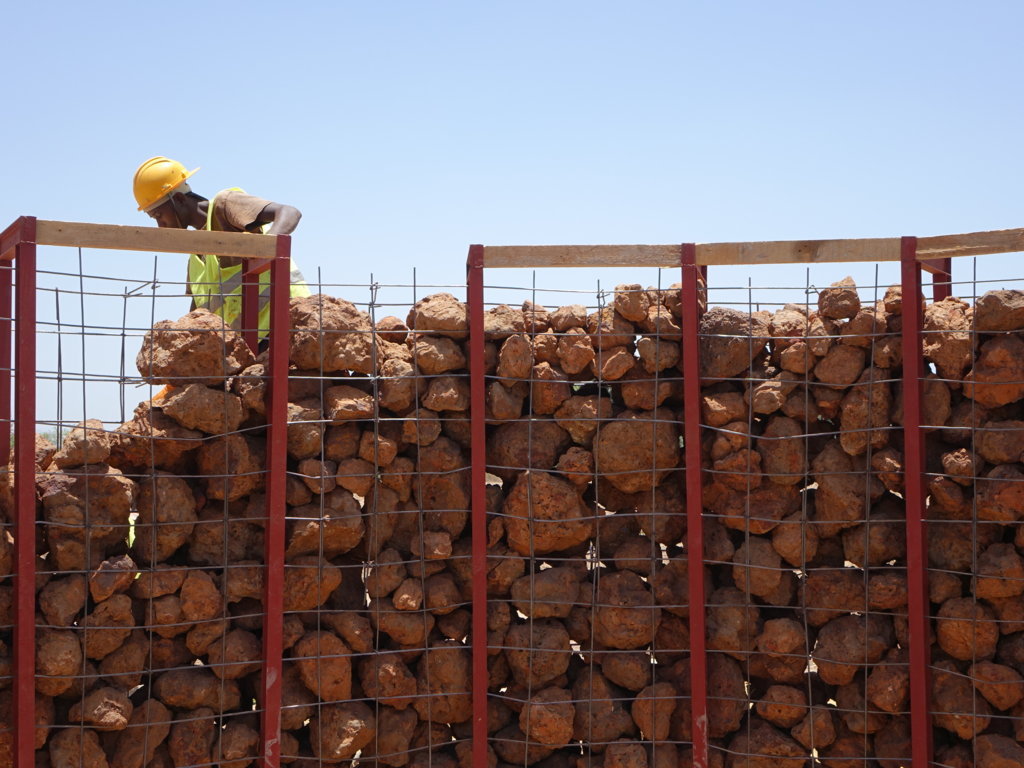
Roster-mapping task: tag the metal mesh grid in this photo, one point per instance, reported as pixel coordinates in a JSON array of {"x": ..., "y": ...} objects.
[
  {"x": 588, "y": 641},
  {"x": 975, "y": 503},
  {"x": 587, "y": 568},
  {"x": 805, "y": 525},
  {"x": 376, "y": 580},
  {"x": 805, "y": 545},
  {"x": 145, "y": 649}
]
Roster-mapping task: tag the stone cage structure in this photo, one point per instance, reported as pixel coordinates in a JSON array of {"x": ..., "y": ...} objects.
[{"x": 482, "y": 526}]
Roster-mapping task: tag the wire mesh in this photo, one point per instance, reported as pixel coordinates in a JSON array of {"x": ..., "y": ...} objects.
[
  {"x": 588, "y": 639},
  {"x": 972, "y": 404},
  {"x": 151, "y": 572}
]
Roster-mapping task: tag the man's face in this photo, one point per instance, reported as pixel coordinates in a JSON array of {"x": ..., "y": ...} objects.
[{"x": 166, "y": 215}]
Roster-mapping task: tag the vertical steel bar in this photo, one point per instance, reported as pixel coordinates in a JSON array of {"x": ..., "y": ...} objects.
[
  {"x": 942, "y": 279},
  {"x": 25, "y": 496},
  {"x": 914, "y": 468},
  {"x": 6, "y": 308},
  {"x": 277, "y": 466},
  {"x": 694, "y": 502},
  {"x": 251, "y": 308},
  {"x": 475, "y": 300},
  {"x": 6, "y": 371}
]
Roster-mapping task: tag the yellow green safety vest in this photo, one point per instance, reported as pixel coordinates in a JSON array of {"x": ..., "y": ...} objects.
[{"x": 219, "y": 289}]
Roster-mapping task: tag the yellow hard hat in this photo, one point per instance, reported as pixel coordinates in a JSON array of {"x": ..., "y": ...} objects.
[{"x": 156, "y": 178}]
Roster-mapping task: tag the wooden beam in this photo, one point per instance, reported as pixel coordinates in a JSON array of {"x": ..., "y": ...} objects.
[
  {"x": 800, "y": 251},
  {"x": 111, "y": 236},
  {"x": 497, "y": 256},
  {"x": 780, "y": 252},
  {"x": 970, "y": 244},
  {"x": 237, "y": 244},
  {"x": 769, "y": 252}
]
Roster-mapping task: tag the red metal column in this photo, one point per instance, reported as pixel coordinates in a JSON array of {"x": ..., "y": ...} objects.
[
  {"x": 475, "y": 300},
  {"x": 277, "y": 467},
  {"x": 6, "y": 308},
  {"x": 251, "y": 309},
  {"x": 914, "y": 468},
  {"x": 942, "y": 278},
  {"x": 25, "y": 496},
  {"x": 694, "y": 503}
]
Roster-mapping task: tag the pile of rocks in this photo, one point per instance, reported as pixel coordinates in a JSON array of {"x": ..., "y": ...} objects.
[{"x": 151, "y": 541}]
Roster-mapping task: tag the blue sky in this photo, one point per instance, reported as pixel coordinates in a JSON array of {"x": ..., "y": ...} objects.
[{"x": 405, "y": 131}]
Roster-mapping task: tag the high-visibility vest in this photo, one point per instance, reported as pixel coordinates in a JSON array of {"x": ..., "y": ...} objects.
[{"x": 219, "y": 289}]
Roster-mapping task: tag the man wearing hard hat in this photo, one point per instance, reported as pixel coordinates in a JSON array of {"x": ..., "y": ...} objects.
[{"x": 215, "y": 282}]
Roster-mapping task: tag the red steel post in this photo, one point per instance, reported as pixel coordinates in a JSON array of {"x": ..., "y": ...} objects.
[
  {"x": 25, "y": 495},
  {"x": 914, "y": 467},
  {"x": 6, "y": 308},
  {"x": 277, "y": 467},
  {"x": 475, "y": 299},
  {"x": 694, "y": 503},
  {"x": 942, "y": 278},
  {"x": 251, "y": 310}
]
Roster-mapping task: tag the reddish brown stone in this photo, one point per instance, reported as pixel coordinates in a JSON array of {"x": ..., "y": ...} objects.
[
  {"x": 947, "y": 339},
  {"x": 545, "y": 514},
  {"x": 105, "y": 709},
  {"x": 308, "y": 581},
  {"x": 840, "y": 300},
  {"x": 95, "y": 493},
  {"x": 440, "y": 314},
  {"x": 841, "y": 366},
  {"x": 994, "y": 751},
  {"x": 998, "y": 374},
  {"x": 196, "y": 348},
  {"x": 330, "y": 334},
  {"x": 999, "y": 495},
  {"x": 966, "y": 630},
  {"x": 206, "y": 409},
  {"x": 325, "y": 666},
  {"x": 628, "y": 617},
  {"x": 547, "y": 717},
  {"x": 956, "y": 706},
  {"x": 195, "y": 687},
  {"x": 850, "y": 643},
  {"x": 1002, "y": 686},
  {"x": 549, "y": 388},
  {"x": 87, "y": 443},
  {"x": 167, "y": 515},
  {"x": 147, "y": 729},
  {"x": 636, "y": 450},
  {"x": 538, "y": 652},
  {"x": 730, "y": 339},
  {"x": 385, "y": 677},
  {"x": 76, "y": 747},
  {"x": 443, "y": 684},
  {"x": 435, "y": 355}
]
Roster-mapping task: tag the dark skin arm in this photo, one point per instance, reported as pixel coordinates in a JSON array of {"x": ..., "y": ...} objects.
[{"x": 285, "y": 218}]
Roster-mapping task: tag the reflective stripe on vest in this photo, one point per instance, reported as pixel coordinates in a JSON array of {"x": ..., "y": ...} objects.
[{"x": 219, "y": 289}]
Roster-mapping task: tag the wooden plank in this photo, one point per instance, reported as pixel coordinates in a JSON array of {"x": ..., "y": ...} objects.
[
  {"x": 769, "y": 252},
  {"x": 111, "y": 236},
  {"x": 800, "y": 251},
  {"x": 526, "y": 256},
  {"x": 970, "y": 244},
  {"x": 779, "y": 252}
]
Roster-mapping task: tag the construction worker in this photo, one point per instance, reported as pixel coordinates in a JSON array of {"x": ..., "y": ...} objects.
[{"x": 215, "y": 282}]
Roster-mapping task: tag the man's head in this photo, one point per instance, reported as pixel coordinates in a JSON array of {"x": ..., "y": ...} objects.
[{"x": 161, "y": 191}]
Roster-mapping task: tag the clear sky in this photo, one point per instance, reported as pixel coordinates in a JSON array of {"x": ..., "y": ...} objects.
[{"x": 405, "y": 131}]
